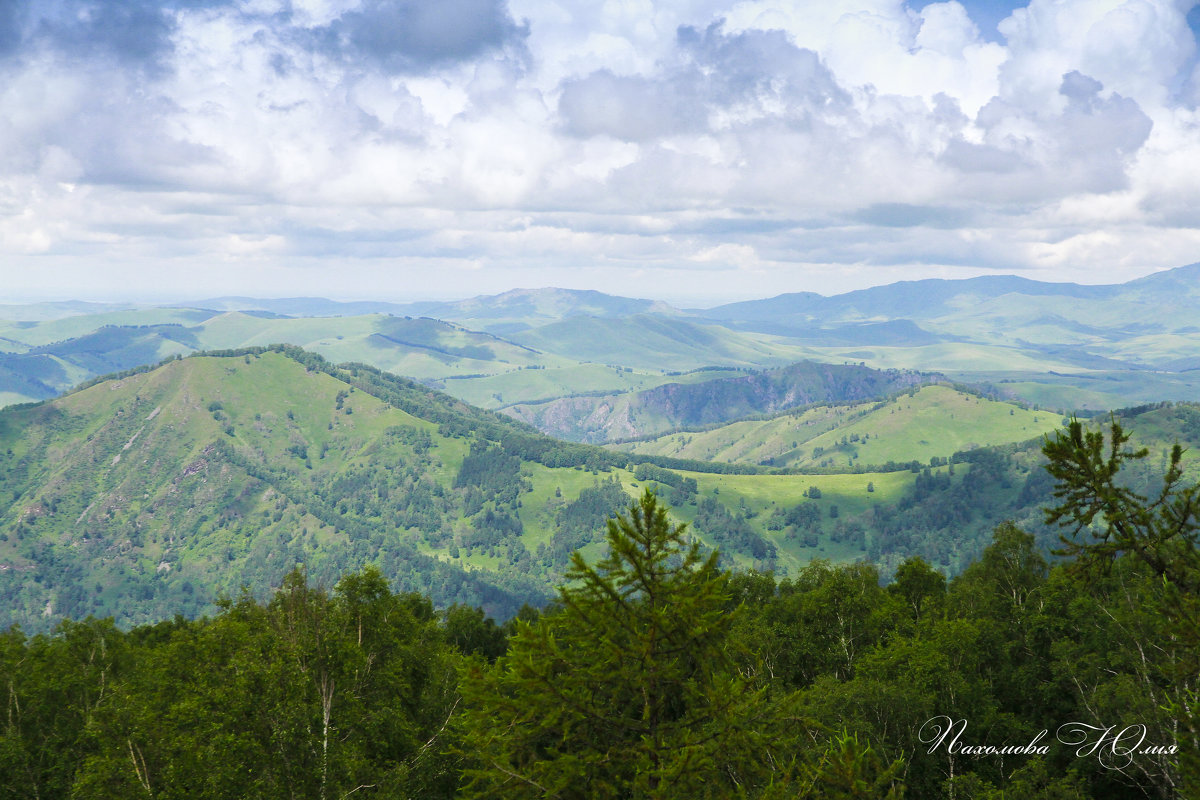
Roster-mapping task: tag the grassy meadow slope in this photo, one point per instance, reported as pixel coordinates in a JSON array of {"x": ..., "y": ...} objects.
[
  {"x": 930, "y": 422},
  {"x": 943, "y": 513},
  {"x": 165, "y": 487}
]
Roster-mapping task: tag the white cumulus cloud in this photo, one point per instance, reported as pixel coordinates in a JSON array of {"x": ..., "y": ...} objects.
[{"x": 820, "y": 144}]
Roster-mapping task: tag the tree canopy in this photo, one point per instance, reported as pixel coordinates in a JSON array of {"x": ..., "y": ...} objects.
[{"x": 629, "y": 690}]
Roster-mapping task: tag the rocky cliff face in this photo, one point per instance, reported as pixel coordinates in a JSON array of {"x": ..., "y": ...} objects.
[{"x": 674, "y": 406}]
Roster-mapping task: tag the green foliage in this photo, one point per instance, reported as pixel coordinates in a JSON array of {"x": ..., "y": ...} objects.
[
  {"x": 922, "y": 588},
  {"x": 317, "y": 692},
  {"x": 1163, "y": 532},
  {"x": 491, "y": 469},
  {"x": 579, "y": 522},
  {"x": 655, "y": 674},
  {"x": 732, "y": 531},
  {"x": 53, "y": 689},
  {"x": 313, "y": 695},
  {"x": 628, "y": 690},
  {"x": 1109, "y": 522},
  {"x": 850, "y": 770},
  {"x": 680, "y": 489},
  {"x": 824, "y": 620},
  {"x": 473, "y": 633}
]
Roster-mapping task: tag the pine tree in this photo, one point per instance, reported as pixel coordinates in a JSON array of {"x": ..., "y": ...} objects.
[
  {"x": 628, "y": 690},
  {"x": 1109, "y": 522},
  {"x": 1163, "y": 532}
]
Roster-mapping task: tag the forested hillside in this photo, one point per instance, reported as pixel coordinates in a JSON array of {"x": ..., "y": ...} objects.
[
  {"x": 153, "y": 493},
  {"x": 147, "y": 495}
]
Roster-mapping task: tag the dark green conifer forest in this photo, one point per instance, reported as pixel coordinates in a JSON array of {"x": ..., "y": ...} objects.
[{"x": 655, "y": 673}]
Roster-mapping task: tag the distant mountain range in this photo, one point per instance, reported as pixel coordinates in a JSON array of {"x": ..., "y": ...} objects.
[
  {"x": 1062, "y": 345},
  {"x": 517, "y": 309},
  {"x": 937, "y": 297},
  {"x": 922, "y": 299}
]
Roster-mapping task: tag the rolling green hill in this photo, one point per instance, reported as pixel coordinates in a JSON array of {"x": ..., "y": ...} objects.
[
  {"x": 944, "y": 513},
  {"x": 46, "y": 358},
  {"x": 149, "y": 493},
  {"x": 40, "y": 359},
  {"x": 165, "y": 487},
  {"x": 152, "y": 492},
  {"x": 930, "y": 422}
]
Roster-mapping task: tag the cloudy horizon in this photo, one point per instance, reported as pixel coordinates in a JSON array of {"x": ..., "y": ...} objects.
[{"x": 694, "y": 151}]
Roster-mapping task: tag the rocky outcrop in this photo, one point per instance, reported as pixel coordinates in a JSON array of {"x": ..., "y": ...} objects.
[{"x": 676, "y": 406}]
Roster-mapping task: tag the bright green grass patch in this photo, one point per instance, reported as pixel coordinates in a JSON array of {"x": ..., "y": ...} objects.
[
  {"x": 747, "y": 441},
  {"x": 764, "y": 491},
  {"x": 937, "y": 421}
]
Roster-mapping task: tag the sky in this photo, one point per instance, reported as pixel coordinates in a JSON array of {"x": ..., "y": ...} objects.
[{"x": 695, "y": 151}]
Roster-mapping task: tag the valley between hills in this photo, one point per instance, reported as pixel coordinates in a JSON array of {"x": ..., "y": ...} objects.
[{"x": 216, "y": 447}]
